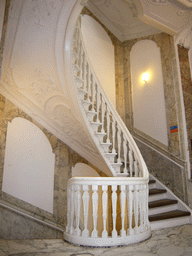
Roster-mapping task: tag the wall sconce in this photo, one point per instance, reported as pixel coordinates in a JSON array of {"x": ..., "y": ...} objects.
[{"x": 145, "y": 77}]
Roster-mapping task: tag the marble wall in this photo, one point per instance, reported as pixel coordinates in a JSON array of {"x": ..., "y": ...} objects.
[
  {"x": 7, "y": 4},
  {"x": 65, "y": 159},
  {"x": 187, "y": 95},
  {"x": 165, "y": 170}
]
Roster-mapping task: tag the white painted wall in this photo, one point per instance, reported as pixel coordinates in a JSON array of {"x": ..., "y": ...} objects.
[
  {"x": 100, "y": 51},
  {"x": 148, "y": 98},
  {"x": 29, "y": 164}
]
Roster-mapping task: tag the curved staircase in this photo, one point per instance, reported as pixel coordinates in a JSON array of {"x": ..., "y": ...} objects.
[
  {"x": 105, "y": 211},
  {"x": 111, "y": 211}
]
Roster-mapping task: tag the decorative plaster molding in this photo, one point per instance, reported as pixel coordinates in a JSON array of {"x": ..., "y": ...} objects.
[
  {"x": 7, "y": 79},
  {"x": 59, "y": 110},
  {"x": 42, "y": 10},
  {"x": 132, "y": 7},
  {"x": 187, "y": 3},
  {"x": 42, "y": 86},
  {"x": 158, "y": 2},
  {"x": 185, "y": 39}
]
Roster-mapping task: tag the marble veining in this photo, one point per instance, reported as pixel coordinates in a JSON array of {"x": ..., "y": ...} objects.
[{"x": 172, "y": 241}]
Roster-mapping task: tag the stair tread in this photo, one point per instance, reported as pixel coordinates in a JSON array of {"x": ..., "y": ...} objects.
[
  {"x": 152, "y": 181},
  {"x": 162, "y": 202},
  {"x": 169, "y": 215},
  {"x": 155, "y": 191}
]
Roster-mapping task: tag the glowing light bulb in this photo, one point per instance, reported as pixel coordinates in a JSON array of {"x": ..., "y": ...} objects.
[{"x": 145, "y": 77}]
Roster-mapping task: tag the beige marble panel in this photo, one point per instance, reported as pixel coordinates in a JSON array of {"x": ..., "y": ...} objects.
[{"x": 15, "y": 226}]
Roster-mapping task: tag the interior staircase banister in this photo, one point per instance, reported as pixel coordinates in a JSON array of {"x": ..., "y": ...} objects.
[{"x": 81, "y": 62}]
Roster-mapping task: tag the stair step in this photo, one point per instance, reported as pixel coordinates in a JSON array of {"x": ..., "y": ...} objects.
[
  {"x": 169, "y": 215},
  {"x": 156, "y": 191},
  {"x": 162, "y": 202},
  {"x": 152, "y": 182}
]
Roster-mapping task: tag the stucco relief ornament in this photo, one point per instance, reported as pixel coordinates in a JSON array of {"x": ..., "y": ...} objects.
[
  {"x": 42, "y": 10},
  {"x": 42, "y": 86},
  {"x": 187, "y": 3},
  {"x": 186, "y": 39},
  {"x": 132, "y": 7},
  {"x": 8, "y": 80},
  {"x": 158, "y": 2}
]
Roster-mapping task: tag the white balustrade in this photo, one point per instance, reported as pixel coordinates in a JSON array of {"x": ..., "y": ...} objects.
[
  {"x": 106, "y": 211},
  {"x": 110, "y": 129},
  {"x": 91, "y": 195}
]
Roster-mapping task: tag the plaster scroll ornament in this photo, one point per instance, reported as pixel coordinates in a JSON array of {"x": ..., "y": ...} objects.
[
  {"x": 42, "y": 10},
  {"x": 73, "y": 128},
  {"x": 84, "y": 2},
  {"x": 42, "y": 86},
  {"x": 186, "y": 3},
  {"x": 100, "y": 2},
  {"x": 132, "y": 7},
  {"x": 158, "y": 2},
  {"x": 186, "y": 39},
  {"x": 7, "y": 79}
]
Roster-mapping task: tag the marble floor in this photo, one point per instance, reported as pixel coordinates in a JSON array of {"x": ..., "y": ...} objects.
[{"x": 175, "y": 241}]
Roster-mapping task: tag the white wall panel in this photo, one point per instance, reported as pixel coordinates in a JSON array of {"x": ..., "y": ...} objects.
[
  {"x": 148, "y": 97},
  {"x": 29, "y": 165}
]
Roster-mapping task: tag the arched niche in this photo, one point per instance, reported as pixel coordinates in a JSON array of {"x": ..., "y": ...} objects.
[
  {"x": 149, "y": 115},
  {"x": 29, "y": 164}
]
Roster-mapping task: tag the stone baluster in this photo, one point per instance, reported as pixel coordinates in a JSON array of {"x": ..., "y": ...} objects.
[
  {"x": 131, "y": 162},
  {"x": 146, "y": 221},
  {"x": 119, "y": 145},
  {"x": 83, "y": 71},
  {"x": 72, "y": 209},
  {"x": 114, "y": 209},
  {"x": 68, "y": 209},
  {"x": 114, "y": 135},
  {"x": 95, "y": 207},
  {"x": 125, "y": 155},
  {"x": 130, "y": 208},
  {"x": 108, "y": 124},
  {"x": 122, "y": 200},
  {"x": 102, "y": 114},
  {"x": 93, "y": 93},
  {"x": 141, "y": 205},
  {"x": 77, "y": 230},
  {"x": 136, "y": 170},
  {"x": 85, "y": 232},
  {"x": 136, "y": 209},
  {"x": 98, "y": 103},
  {"x": 104, "y": 202},
  {"x": 80, "y": 60}
]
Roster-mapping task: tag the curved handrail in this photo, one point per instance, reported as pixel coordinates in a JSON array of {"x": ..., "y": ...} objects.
[
  {"x": 116, "y": 144},
  {"x": 92, "y": 208}
]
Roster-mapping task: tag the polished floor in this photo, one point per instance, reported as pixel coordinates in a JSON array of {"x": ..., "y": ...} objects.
[{"x": 167, "y": 242}]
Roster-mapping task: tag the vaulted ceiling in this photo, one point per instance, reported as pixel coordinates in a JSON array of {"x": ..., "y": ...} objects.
[{"x": 129, "y": 19}]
